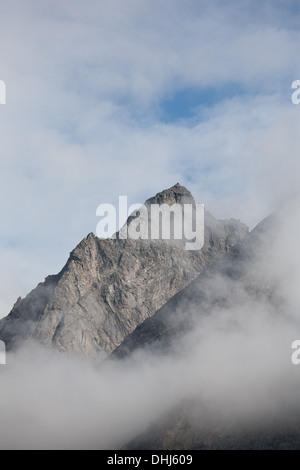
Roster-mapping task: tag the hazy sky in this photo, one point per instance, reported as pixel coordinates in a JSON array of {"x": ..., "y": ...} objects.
[{"x": 128, "y": 97}]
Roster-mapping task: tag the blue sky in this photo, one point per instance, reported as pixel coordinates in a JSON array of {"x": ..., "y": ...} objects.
[
  {"x": 192, "y": 102},
  {"x": 128, "y": 98}
]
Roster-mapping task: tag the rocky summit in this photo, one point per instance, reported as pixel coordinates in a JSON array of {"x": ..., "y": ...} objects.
[{"x": 110, "y": 286}]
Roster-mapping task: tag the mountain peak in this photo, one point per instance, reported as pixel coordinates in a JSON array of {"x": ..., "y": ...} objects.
[{"x": 175, "y": 194}]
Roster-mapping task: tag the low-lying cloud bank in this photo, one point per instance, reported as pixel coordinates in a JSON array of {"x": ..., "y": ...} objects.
[{"x": 236, "y": 363}]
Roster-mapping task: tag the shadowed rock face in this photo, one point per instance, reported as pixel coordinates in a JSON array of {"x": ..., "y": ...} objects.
[
  {"x": 109, "y": 286},
  {"x": 177, "y": 315},
  {"x": 178, "y": 430}
]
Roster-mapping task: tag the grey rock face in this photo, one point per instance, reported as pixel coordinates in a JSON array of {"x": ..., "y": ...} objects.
[{"x": 109, "y": 286}]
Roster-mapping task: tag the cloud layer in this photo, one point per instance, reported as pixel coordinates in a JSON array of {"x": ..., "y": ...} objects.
[{"x": 236, "y": 364}]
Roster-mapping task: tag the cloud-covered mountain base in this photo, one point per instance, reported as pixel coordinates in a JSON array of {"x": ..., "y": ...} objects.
[{"x": 226, "y": 382}]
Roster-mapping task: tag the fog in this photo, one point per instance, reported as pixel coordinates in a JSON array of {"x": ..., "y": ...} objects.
[{"x": 235, "y": 362}]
